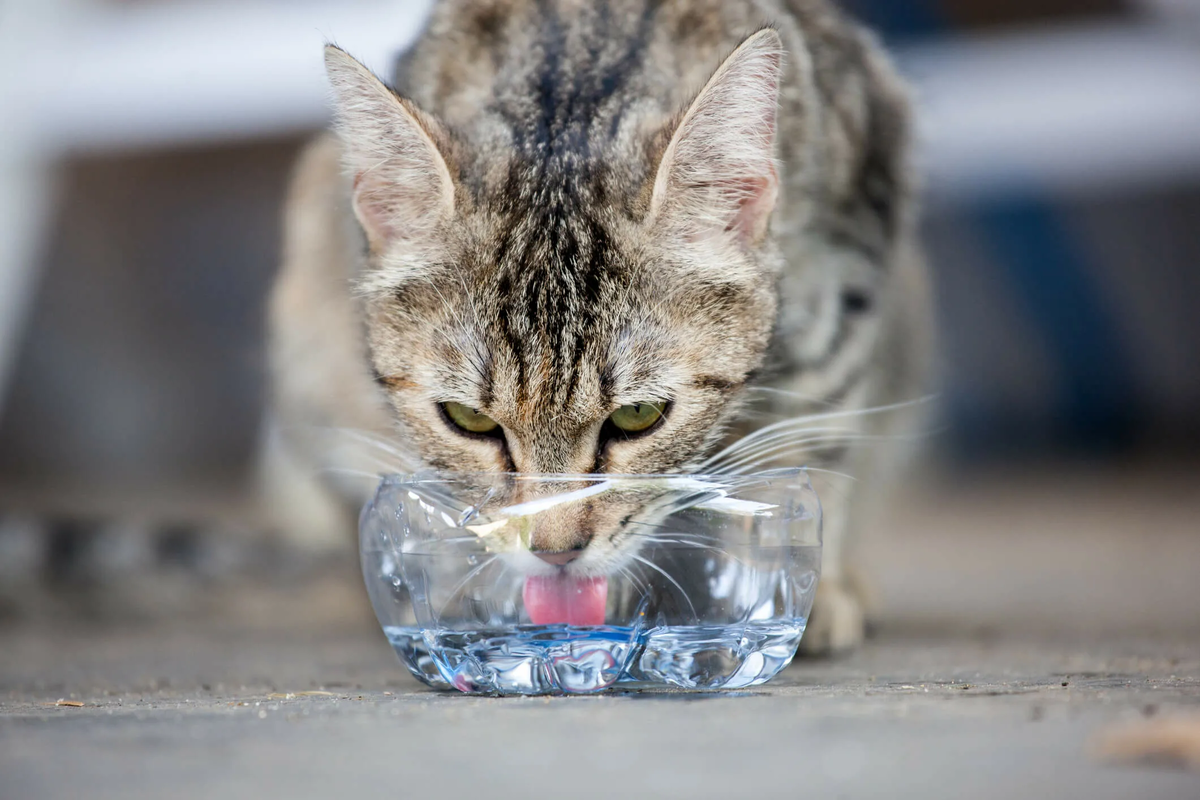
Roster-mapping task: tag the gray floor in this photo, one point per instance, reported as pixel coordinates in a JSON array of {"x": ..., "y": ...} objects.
[
  {"x": 214, "y": 713},
  {"x": 1074, "y": 596}
]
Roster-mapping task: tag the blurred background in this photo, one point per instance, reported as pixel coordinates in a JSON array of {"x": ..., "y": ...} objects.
[{"x": 144, "y": 156}]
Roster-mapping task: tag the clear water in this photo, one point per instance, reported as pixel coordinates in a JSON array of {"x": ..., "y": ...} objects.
[
  {"x": 711, "y": 593},
  {"x": 540, "y": 659}
]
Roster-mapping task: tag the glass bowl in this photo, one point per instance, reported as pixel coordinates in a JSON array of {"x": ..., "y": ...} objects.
[{"x": 686, "y": 581}]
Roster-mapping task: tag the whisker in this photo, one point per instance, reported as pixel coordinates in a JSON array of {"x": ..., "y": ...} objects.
[
  {"x": 810, "y": 418},
  {"x": 748, "y": 446},
  {"x": 800, "y": 427},
  {"x": 353, "y": 473},
  {"x": 697, "y": 536},
  {"x": 463, "y": 584},
  {"x": 667, "y": 539},
  {"x": 366, "y": 437},
  {"x": 759, "y": 438},
  {"x": 791, "y": 444},
  {"x": 803, "y": 398},
  {"x": 779, "y": 430},
  {"x": 755, "y": 458},
  {"x": 800, "y": 446},
  {"x": 773, "y": 460},
  {"x": 657, "y": 531},
  {"x": 640, "y": 585},
  {"x": 721, "y": 551},
  {"x": 667, "y": 575}
]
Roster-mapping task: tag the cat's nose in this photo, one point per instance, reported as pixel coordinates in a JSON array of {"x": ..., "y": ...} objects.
[{"x": 559, "y": 558}]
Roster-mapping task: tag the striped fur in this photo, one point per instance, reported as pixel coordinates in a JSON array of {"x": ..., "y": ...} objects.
[{"x": 561, "y": 207}]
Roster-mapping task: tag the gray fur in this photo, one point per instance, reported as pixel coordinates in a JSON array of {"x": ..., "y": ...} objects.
[{"x": 566, "y": 207}]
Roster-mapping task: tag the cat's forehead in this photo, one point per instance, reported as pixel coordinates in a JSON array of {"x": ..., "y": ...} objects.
[
  {"x": 556, "y": 301},
  {"x": 574, "y": 375},
  {"x": 552, "y": 261},
  {"x": 563, "y": 317}
]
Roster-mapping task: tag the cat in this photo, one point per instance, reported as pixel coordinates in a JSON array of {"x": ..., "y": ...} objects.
[{"x": 613, "y": 236}]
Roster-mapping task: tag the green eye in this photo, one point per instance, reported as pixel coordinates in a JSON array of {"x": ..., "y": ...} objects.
[
  {"x": 639, "y": 417},
  {"x": 469, "y": 419}
]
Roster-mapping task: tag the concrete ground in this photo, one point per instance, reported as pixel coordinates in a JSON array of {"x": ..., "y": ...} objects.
[
  {"x": 261, "y": 714},
  {"x": 1007, "y": 666}
]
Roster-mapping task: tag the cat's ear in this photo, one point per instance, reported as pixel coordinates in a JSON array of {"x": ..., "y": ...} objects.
[
  {"x": 402, "y": 185},
  {"x": 718, "y": 175}
]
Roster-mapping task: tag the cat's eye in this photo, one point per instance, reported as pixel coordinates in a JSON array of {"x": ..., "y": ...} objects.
[
  {"x": 638, "y": 417},
  {"x": 469, "y": 419}
]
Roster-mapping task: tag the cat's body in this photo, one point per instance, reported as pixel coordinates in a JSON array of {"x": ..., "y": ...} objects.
[{"x": 585, "y": 206}]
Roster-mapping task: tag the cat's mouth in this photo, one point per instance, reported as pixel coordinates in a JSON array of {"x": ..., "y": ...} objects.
[{"x": 565, "y": 599}]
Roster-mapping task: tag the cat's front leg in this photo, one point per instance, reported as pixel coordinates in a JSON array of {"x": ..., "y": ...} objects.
[
  {"x": 838, "y": 619},
  {"x": 837, "y": 623}
]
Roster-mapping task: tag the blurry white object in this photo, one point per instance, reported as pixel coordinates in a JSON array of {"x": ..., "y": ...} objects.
[
  {"x": 86, "y": 77},
  {"x": 1083, "y": 105},
  {"x": 26, "y": 176},
  {"x": 1085, "y": 108},
  {"x": 185, "y": 72},
  {"x": 1088, "y": 107}
]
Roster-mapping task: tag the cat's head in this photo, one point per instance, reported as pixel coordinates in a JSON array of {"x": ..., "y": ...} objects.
[{"x": 564, "y": 300}]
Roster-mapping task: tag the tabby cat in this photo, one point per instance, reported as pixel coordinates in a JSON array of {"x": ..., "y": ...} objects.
[{"x": 576, "y": 236}]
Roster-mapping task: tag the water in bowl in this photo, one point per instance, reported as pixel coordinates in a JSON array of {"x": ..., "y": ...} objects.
[
  {"x": 706, "y": 584},
  {"x": 540, "y": 659},
  {"x": 668, "y": 644}
]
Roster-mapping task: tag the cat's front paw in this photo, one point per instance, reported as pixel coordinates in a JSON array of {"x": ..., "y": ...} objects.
[{"x": 837, "y": 623}]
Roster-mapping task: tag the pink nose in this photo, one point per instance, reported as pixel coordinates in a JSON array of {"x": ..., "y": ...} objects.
[{"x": 558, "y": 559}]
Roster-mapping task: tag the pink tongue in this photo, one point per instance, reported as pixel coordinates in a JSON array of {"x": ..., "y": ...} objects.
[{"x": 560, "y": 599}]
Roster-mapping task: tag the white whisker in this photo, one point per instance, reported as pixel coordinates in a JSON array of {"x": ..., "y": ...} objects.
[
  {"x": 802, "y": 398},
  {"x": 368, "y": 438},
  {"x": 750, "y": 446},
  {"x": 353, "y": 473},
  {"x": 800, "y": 446},
  {"x": 811, "y": 418},
  {"x": 628, "y": 573},
  {"x": 666, "y": 575},
  {"x": 668, "y": 539},
  {"x": 463, "y": 584}
]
